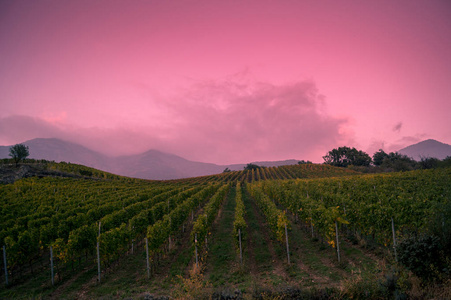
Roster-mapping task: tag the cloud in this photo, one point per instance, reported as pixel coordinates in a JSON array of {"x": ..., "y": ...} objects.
[
  {"x": 395, "y": 145},
  {"x": 406, "y": 141},
  {"x": 397, "y": 127},
  {"x": 212, "y": 121},
  {"x": 242, "y": 121},
  {"x": 16, "y": 129},
  {"x": 375, "y": 146},
  {"x": 111, "y": 141}
]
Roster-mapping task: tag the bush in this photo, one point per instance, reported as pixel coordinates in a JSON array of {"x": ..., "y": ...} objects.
[{"x": 422, "y": 255}]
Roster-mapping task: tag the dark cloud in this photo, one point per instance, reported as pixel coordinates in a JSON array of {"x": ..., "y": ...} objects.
[{"x": 397, "y": 127}]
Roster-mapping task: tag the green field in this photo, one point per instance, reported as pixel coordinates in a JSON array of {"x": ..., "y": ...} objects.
[{"x": 93, "y": 217}]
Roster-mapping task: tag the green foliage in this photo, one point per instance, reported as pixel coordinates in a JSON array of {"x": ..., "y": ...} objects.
[
  {"x": 301, "y": 162},
  {"x": 86, "y": 172},
  {"x": 422, "y": 255},
  {"x": 345, "y": 156},
  {"x": 275, "y": 217},
  {"x": 64, "y": 212},
  {"x": 239, "y": 223},
  {"x": 114, "y": 242},
  {"x": 18, "y": 152},
  {"x": 367, "y": 202},
  {"x": 202, "y": 225},
  {"x": 252, "y": 167},
  {"x": 429, "y": 162},
  {"x": 398, "y": 162},
  {"x": 378, "y": 157},
  {"x": 440, "y": 226},
  {"x": 82, "y": 239}
]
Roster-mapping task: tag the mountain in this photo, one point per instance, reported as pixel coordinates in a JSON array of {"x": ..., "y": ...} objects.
[
  {"x": 58, "y": 150},
  {"x": 427, "y": 148},
  {"x": 151, "y": 164},
  {"x": 154, "y": 164}
]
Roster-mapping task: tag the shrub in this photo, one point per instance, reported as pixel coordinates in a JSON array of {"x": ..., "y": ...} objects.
[{"x": 422, "y": 255}]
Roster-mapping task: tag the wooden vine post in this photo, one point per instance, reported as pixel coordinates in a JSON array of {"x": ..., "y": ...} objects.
[
  {"x": 241, "y": 250},
  {"x": 311, "y": 221},
  {"x": 5, "y": 264},
  {"x": 394, "y": 238},
  {"x": 169, "y": 239},
  {"x": 98, "y": 255},
  {"x": 338, "y": 243},
  {"x": 51, "y": 266},
  {"x": 147, "y": 259},
  {"x": 288, "y": 248},
  {"x": 195, "y": 244}
]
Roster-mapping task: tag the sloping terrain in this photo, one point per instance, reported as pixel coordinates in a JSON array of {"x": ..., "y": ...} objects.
[
  {"x": 191, "y": 220},
  {"x": 426, "y": 149},
  {"x": 152, "y": 164}
]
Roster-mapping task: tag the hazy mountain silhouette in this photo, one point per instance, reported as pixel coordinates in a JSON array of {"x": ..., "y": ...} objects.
[
  {"x": 427, "y": 148},
  {"x": 155, "y": 164},
  {"x": 151, "y": 164},
  {"x": 58, "y": 150}
]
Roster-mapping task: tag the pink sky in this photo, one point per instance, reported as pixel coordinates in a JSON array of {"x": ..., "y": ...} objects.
[{"x": 226, "y": 81}]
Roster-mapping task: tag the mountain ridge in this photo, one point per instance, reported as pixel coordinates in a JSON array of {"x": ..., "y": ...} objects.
[
  {"x": 157, "y": 165},
  {"x": 429, "y": 148},
  {"x": 151, "y": 164}
]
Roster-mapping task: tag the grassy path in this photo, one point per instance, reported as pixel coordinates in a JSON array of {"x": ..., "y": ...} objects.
[
  {"x": 222, "y": 262},
  {"x": 263, "y": 258}
]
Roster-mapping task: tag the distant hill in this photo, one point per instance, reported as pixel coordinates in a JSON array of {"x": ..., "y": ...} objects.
[
  {"x": 155, "y": 164},
  {"x": 151, "y": 164},
  {"x": 427, "y": 148},
  {"x": 58, "y": 150}
]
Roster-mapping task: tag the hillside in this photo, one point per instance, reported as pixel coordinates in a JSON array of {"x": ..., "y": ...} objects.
[
  {"x": 187, "y": 217},
  {"x": 152, "y": 164},
  {"x": 10, "y": 173},
  {"x": 427, "y": 148}
]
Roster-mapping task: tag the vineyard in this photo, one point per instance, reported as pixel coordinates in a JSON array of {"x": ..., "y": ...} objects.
[{"x": 294, "y": 231}]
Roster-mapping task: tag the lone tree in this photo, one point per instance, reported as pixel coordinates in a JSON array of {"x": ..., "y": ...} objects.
[{"x": 18, "y": 152}]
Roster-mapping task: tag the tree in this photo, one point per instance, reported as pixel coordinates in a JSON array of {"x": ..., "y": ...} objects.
[
  {"x": 302, "y": 162},
  {"x": 345, "y": 156},
  {"x": 378, "y": 157},
  {"x": 429, "y": 162},
  {"x": 19, "y": 152},
  {"x": 399, "y": 162},
  {"x": 251, "y": 167}
]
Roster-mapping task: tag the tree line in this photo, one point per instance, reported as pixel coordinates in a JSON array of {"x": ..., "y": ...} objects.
[{"x": 381, "y": 161}]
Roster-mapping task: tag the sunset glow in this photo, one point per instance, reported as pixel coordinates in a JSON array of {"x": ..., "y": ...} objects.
[{"x": 226, "y": 81}]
